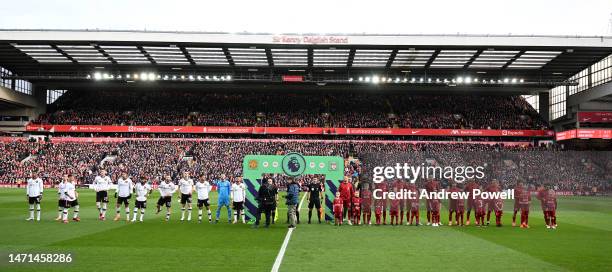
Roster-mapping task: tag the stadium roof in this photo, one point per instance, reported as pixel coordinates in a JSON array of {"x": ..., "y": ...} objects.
[{"x": 46, "y": 55}]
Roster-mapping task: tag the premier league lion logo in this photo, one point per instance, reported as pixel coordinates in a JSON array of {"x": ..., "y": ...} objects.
[{"x": 294, "y": 164}]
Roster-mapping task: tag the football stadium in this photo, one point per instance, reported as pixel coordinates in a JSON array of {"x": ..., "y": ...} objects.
[{"x": 140, "y": 150}]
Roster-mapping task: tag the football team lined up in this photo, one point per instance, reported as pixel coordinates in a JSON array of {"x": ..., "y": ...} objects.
[
  {"x": 125, "y": 188},
  {"x": 352, "y": 206}
]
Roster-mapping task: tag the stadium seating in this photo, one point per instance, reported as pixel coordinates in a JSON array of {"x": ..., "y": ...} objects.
[
  {"x": 292, "y": 110},
  {"x": 580, "y": 171}
]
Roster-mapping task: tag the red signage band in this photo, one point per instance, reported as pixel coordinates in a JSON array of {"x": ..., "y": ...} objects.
[
  {"x": 584, "y": 134},
  {"x": 289, "y": 78},
  {"x": 594, "y": 116},
  {"x": 292, "y": 130}
]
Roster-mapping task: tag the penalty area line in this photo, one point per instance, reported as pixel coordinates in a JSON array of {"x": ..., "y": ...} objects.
[{"x": 281, "y": 252}]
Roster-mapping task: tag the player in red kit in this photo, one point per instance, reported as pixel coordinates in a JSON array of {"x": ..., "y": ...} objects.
[
  {"x": 395, "y": 211},
  {"x": 452, "y": 204},
  {"x": 356, "y": 214},
  {"x": 550, "y": 208},
  {"x": 399, "y": 186},
  {"x": 435, "y": 212},
  {"x": 480, "y": 210},
  {"x": 346, "y": 193},
  {"x": 430, "y": 186},
  {"x": 379, "y": 207},
  {"x": 524, "y": 202},
  {"x": 540, "y": 195},
  {"x": 498, "y": 207},
  {"x": 493, "y": 187},
  {"x": 460, "y": 205},
  {"x": 383, "y": 188},
  {"x": 366, "y": 206},
  {"x": 413, "y": 205},
  {"x": 338, "y": 209},
  {"x": 470, "y": 187},
  {"x": 518, "y": 190}
]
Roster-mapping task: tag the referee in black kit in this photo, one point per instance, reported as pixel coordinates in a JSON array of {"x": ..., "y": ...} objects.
[
  {"x": 315, "y": 194},
  {"x": 267, "y": 198}
]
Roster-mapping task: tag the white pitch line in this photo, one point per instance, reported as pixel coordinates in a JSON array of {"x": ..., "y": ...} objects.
[{"x": 281, "y": 252}]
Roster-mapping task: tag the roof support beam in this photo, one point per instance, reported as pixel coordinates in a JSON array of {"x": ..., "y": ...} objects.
[
  {"x": 97, "y": 47},
  {"x": 513, "y": 59},
  {"x": 59, "y": 50},
  {"x": 391, "y": 58},
  {"x": 146, "y": 54},
  {"x": 351, "y": 57},
  {"x": 187, "y": 55},
  {"x": 269, "y": 57},
  {"x": 228, "y": 56},
  {"x": 432, "y": 58},
  {"x": 310, "y": 57},
  {"x": 472, "y": 59}
]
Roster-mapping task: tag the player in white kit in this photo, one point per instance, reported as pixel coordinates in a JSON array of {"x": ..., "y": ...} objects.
[
  {"x": 238, "y": 195},
  {"x": 185, "y": 185},
  {"x": 203, "y": 187},
  {"x": 142, "y": 189},
  {"x": 123, "y": 193},
  {"x": 102, "y": 184},
  {"x": 61, "y": 186},
  {"x": 166, "y": 189},
  {"x": 34, "y": 191},
  {"x": 70, "y": 200}
]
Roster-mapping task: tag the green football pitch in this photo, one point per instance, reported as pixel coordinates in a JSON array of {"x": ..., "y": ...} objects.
[{"x": 583, "y": 242}]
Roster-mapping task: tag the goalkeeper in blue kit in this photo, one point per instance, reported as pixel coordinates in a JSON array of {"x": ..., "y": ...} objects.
[{"x": 224, "y": 188}]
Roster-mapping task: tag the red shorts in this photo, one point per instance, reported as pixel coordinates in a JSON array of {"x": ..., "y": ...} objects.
[
  {"x": 470, "y": 204},
  {"x": 394, "y": 212}
]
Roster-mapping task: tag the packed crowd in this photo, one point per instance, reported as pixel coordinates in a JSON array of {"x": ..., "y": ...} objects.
[
  {"x": 292, "y": 110},
  {"x": 567, "y": 170},
  {"x": 477, "y": 112}
]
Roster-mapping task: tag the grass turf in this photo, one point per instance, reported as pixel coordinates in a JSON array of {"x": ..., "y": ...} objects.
[{"x": 583, "y": 242}]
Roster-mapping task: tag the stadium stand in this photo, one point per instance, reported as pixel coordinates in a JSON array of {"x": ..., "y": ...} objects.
[
  {"x": 293, "y": 110},
  {"x": 212, "y": 157}
]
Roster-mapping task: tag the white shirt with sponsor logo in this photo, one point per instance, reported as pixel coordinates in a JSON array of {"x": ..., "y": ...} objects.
[
  {"x": 35, "y": 187},
  {"x": 185, "y": 186},
  {"x": 203, "y": 188},
  {"x": 238, "y": 192},
  {"x": 61, "y": 188},
  {"x": 141, "y": 191},
  {"x": 166, "y": 189},
  {"x": 125, "y": 187},
  {"x": 70, "y": 191},
  {"x": 102, "y": 183}
]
